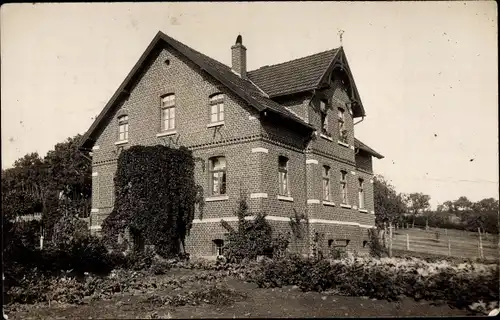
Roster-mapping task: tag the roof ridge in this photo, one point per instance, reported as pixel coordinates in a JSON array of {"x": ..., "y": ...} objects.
[{"x": 304, "y": 57}]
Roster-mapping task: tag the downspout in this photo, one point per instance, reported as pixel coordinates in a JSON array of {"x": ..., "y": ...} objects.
[{"x": 311, "y": 137}]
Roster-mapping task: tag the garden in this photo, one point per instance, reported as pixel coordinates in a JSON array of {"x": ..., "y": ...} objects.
[{"x": 81, "y": 276}]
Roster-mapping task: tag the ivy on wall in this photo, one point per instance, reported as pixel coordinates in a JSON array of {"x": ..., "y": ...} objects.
[{"x": 155, "y": 196}]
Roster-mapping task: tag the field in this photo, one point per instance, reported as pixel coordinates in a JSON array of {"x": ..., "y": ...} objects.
[
  {"x": 249, "y": 302},
  {"x": 455, "y": 243}
]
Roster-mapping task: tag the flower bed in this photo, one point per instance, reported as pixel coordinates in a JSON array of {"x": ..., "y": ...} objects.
[{"x": 388, "y": 278}]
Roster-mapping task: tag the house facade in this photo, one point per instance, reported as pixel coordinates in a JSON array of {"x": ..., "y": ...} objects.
[{"x": 281, "y": 135}]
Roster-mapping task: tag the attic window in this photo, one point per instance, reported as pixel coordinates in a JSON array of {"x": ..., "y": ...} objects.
[
  {"x": 167, "y": 62},
  {"x": 324, "y": 117}
]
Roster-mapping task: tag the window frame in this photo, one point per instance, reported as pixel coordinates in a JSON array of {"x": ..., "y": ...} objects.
[
  {"x": 341, "y": 125},
  {"x": 217, "y": 100},
  {"x": 361, "y": 193},
  {"x": 218, "y": 247},
  {"x": 327, "y": 194},
  {"x": 344, "y": 195},
  {"x": 123, "y": 122},
  {"x": 323, "y": 107},
  {"x": 222, "y": 187},
  {"x": 167, "y": 104},
  {"x": 284, "y": 187}
]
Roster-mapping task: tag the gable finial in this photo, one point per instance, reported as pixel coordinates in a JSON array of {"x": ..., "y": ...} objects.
[{"x": 340, "y": 33}]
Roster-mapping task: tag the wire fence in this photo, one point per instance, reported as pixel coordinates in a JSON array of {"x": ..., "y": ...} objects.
[{"x": 453, "y": 243}]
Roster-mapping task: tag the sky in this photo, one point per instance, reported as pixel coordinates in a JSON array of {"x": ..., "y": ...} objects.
[{"x": 427, "y": 73}]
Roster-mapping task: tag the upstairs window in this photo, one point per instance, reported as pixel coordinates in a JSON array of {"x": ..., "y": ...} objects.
[
  {"x": 122, "y": 128},
  {"x": 324, "y": 118},
  {"x": 283, "y": 175},
  {"x": 218, "y": 176},
  {"x": 343, "y": 187},
  {"x": 342, "y": 130},
  {"x": 361, "y": 194},
  {"x": 168, "y": 112},
  {"x": 217, "y": 108},
  {"x": 326, "y": 183}
]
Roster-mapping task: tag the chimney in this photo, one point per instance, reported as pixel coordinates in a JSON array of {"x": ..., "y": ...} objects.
[{"x": 239, "y": 58}]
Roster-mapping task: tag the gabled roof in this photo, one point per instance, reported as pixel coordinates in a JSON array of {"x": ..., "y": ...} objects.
[
  {"x": 360, "y": 145},
  {"x": 305, "y": 74},
  {"x": 293, "y": 76},
  {"x": 245, "y": 89}
]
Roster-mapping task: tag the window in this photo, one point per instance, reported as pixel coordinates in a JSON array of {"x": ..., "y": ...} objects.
[
  {"x": 218, "y": 247},
  {"x": 218, "y": 175},
  {"x": 343, "y": 186},
  {"x": 361, "y": 194},
  {"x": 326, "y": 183},
  {"x": 324, "y": 117},
  {"x": 123, "y": 128},
  {"x": 283, "y": 175},
  {"x": 342, "y": 131},
  {"x": 168, "y": 112},
  {"x": 217, "y": 108}
]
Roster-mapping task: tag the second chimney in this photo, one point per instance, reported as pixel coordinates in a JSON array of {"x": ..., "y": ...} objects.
[{"x": 239, "y": 58}]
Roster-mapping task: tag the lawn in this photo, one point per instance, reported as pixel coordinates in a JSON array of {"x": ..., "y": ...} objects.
[{"x": 240, "y": 299}]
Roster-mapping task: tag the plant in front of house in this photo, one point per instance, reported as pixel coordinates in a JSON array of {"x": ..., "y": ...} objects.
[{"x": 155, "y": 196}]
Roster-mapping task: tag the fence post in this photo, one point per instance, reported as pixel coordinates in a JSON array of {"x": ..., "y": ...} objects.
[
  {"x": 407, "y": 242},
  {"x": 449, "y": 247},
  {"x": 390, "y": 239},
  {"x": 480, "y": 244}
]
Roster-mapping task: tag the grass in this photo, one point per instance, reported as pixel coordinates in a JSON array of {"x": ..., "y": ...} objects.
[
  {"x": 238, "y": 299},
  {"x": 463, "y": 244}
]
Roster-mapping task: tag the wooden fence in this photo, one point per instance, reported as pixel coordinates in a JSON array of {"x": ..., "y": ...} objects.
[{"x": 453, "y": 243}]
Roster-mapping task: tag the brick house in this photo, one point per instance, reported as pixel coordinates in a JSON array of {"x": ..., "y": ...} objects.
[{"x": 283, "y": 135}]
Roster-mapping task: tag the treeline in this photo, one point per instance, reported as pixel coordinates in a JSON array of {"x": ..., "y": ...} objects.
[
  {"x": 59, "y": 183},
  {"x": 414, "y": 209}
]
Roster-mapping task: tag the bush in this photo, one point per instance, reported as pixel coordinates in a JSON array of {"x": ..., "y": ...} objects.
[
  {"x": 68, "y": 230},
  {"x": 377, "y": 249},
  {"x": 459, "y": 284}
]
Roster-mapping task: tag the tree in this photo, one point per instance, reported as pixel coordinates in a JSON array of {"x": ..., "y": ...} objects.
[
  {"x": 389, "y": 205},
  {"x": 418, "y": 202}
]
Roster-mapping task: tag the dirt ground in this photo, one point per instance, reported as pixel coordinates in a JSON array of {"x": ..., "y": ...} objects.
[{"x": 258, "y": 303}]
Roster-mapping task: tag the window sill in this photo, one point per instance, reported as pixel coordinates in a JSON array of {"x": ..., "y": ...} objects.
[
  {"x": 285, "y": 198},
  {"x": 166, "y": 133},
  {"x": 326, "y": 137},
  {"x": 343, "y": 143},
  {"x": 117, "y": 143},
  {"x": 347, "y": 206},
  {"x": 328, "y": 203},
  {"x": 215, "y": 124},
  {"x": 363, "y": 210},
  {"x": 217, "y": 198}
]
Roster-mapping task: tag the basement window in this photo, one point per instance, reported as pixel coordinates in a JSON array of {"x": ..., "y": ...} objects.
[{"x": 218, "y": 246}]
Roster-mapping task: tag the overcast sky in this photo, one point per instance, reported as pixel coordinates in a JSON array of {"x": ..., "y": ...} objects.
[{"x": 426, "y": 73}]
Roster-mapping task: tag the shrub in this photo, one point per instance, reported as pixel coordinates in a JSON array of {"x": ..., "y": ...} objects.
[
  {"x": 377, "y": 249},
  {"x": 68, "y": 230},
  {"x": 459, "y": 284}
]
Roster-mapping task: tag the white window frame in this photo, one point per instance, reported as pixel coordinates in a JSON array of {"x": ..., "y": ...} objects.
[
  {"x": 284, "y": 187},
  {"x": 221, "y": 174},
  {"x": 326, "y": 183},
  {"x": 217, "y": 109},
  {"x": 168, "y": 105},
  {"x": 123, "y": 128}
]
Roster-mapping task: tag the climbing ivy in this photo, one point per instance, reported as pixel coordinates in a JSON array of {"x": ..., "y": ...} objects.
[{"x": 155, "y": 196}]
